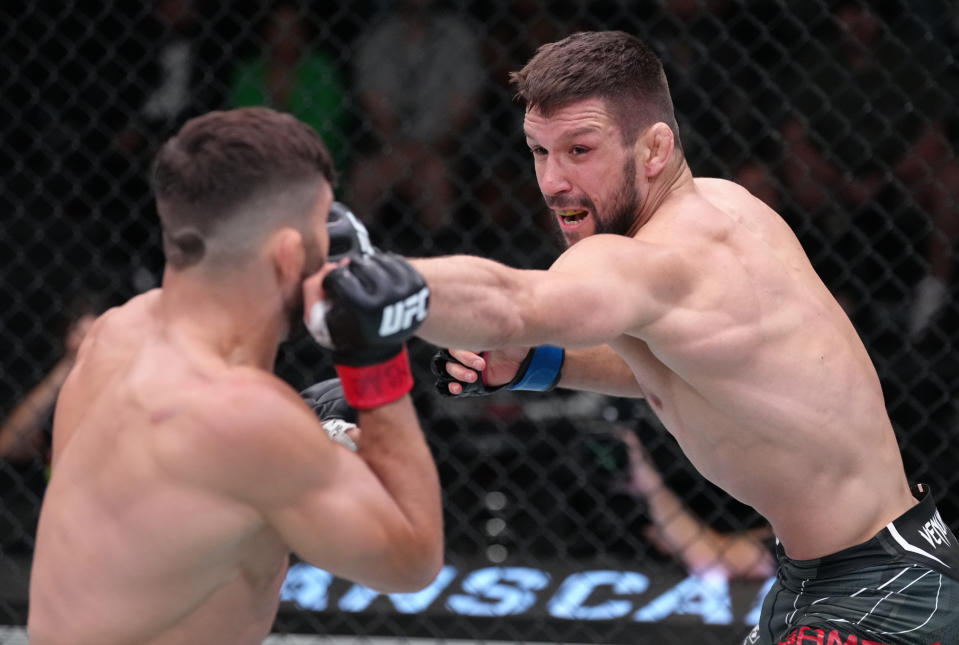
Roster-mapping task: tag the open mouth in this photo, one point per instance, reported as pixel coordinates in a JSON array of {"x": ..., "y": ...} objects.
[{"x": 572, "y": 215}]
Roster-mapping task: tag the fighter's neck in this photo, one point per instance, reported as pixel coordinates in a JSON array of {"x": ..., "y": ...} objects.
[
  {"x": 231, "y": 324},
  {"x": 675, "y": 177}
]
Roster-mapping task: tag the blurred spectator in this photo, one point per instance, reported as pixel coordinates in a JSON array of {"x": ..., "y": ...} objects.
[
  {"x": 870, "y": 160},
  {"x": 176, "y": 81},
  {"x": 418, "y": 76},
  {"x": 759, "y": 179},
  {"x": 516, "y": 29},
  {"x": 677, "y": 531},
  {"x": 166, "y": 68},
  {"x": 717, "y": 55},
  {"x": 508, "y": 217},
  {"x": 25, "y": 442},
  {"x": 698, "y": 68},
  {"x": 24, "y": 432},
  {"x": 291, "y": 76},
  {"x": 867, "y": 154}
]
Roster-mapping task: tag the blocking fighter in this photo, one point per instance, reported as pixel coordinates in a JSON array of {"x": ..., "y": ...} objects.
[{"x": 184, "y": 472}]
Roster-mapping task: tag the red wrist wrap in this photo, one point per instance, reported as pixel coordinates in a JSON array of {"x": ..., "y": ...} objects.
[{"x": 371, "y": 386}]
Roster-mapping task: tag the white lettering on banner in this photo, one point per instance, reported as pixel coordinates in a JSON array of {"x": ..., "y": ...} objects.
[
  {"x": 400, "y": 315},
  {"x": 510, "y": 587},
  {"x": 935, "y": 531},
  {"x": 511, "y": 591},
  {"x": 570, "y": 599},
  {"x": 359, "y": 598},
  {"x": 707, "y": 597},
  {"x": 307, "y": 586}
]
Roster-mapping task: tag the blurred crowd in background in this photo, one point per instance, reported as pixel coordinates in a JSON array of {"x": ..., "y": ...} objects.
[{"x": 840, "y": 115}]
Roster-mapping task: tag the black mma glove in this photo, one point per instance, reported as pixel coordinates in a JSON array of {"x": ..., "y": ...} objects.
[
  {"x": 326, "y": 399},
  {"x": 328, "y": 402},
  {"x": 373, "y": 305},
  {"x": 348, "y": 235},
  {"x": 539, "y": 372}
]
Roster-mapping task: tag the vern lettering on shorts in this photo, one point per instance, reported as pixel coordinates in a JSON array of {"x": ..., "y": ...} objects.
[
  {"x": 400, "y": 315},
  {"x": 935, "y": 532}
]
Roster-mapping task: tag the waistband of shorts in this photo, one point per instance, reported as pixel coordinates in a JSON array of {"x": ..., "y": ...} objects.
[{"x": 919, "y": 535}]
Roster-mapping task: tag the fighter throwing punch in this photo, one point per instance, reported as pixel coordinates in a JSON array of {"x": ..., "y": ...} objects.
[
  {"x": 694, "y": 294},
  {"x": 184, "y": 472}
]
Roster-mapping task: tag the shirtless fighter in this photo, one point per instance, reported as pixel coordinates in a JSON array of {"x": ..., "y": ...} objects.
[
  {"x": 694, "y": 294},
  {"x": 184, "y": 472}
]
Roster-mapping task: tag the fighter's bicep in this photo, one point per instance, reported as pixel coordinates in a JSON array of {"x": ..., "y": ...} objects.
[
  {"x": 573, "y": 312},
  {"x": 605, "y": 289},
  {"x": 261, "y": 446},
  {"x": 323, "y": 500}
]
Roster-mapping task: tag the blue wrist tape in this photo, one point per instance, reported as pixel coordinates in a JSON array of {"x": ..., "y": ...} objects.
[{"x": 542, "y": 373}]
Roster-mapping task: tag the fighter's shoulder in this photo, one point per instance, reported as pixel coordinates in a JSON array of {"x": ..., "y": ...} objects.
[
  {"x": 234, "y": 423},
  {"x": 129, "y": 317},
  {"x": 728, "y": 197},
  {"x": 598, "y": 247},
  {"x": 250, "y": 401},
  {"x": 118, "y": 331},
  {"x": 239, "y": 407},
  {"x": 711, "y": 186},
  {"x": 609, "y": 255}
]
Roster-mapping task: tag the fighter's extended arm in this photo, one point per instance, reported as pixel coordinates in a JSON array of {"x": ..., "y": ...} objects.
[
  {"x": 597, "y": 369},
  {"x": 602, "y": 287}
]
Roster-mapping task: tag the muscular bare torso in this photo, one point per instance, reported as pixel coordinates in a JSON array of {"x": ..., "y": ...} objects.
[
  {"x": 762, "y": 379},
  {"x": 129, "y": 550}
]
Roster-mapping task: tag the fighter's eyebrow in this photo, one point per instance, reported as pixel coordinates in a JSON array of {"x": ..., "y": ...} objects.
[{"x": 572, "y": 134}]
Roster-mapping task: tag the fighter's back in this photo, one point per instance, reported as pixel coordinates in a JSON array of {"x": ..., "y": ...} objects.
[
  {"x": 762, "y": 378},
  {"x": 183, "y": 557}
]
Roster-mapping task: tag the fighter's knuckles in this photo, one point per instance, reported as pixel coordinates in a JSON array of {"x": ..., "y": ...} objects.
[
  {"x": 468, "y": 358},
  {"x": 460, "y": 372}
]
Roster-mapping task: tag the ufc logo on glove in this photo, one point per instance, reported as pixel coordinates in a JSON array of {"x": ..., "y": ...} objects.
[
  {"x": 372, "y": 305},
  {"x": 401, "y": 315}
]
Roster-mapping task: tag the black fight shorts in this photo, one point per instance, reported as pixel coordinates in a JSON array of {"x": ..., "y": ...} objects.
[{"x": 899, "y": 588}]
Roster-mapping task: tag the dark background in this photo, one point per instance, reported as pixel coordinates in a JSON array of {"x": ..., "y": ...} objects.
[{"x": 751, "y": 81}]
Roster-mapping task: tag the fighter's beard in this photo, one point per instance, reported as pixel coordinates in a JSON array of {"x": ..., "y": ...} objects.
[
  {"x": 624, "y": 213},
  {"x": 623, "y": 218}
]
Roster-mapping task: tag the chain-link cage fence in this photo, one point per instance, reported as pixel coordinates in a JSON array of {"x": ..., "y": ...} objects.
[{"x": 841, "y": 115}]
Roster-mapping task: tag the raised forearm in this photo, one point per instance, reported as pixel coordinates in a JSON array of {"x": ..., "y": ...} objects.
[
  {"x": 394, "y": 448},
  {"x": 682, "y": 534},
  {"x": 701, "y": 548}
]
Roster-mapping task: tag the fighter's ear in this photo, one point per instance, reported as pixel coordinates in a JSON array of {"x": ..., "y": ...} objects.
[
  {"x": 288, "y": 255},
  {"x": 657, "y": 145}
]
